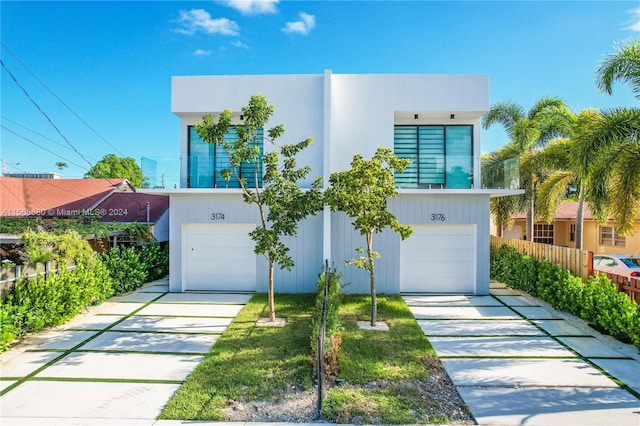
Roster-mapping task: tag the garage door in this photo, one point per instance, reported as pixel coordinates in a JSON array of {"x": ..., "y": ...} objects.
[
  {"x": 218, "y": 257},
  {"x": 439, "y": 259}
]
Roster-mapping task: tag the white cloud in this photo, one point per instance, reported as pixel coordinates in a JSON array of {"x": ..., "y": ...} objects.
[
  {"x": 195, "y": 20},
  {"x": 200, "y": 52},
  {"x": 303, "y": 26},
  {"x": 239, "y": 44},
  {"x": 252, "y": 7},
  {"x": 635, "y": 20}
]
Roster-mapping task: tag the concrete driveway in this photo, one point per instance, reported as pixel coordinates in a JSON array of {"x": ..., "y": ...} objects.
[
  {"x": 117, "y": 364},
  {"x": 516, "y": 361}
]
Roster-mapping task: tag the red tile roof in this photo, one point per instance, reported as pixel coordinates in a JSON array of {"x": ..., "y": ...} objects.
[
  {"x": 55, "y": 197},
  {"x": 132, "y": 207}
]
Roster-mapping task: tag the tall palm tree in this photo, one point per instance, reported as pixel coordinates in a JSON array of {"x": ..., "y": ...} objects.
[
  {"x": 528, "y": 133},
  {"x": 563, "y": 155},
  {"x": 609, "y": 147}
]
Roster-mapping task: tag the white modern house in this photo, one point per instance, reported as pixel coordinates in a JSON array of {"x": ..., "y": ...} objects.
[{"x": 432, "y": 119}]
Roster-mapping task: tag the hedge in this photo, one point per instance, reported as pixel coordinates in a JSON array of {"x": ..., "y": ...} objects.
[
  {"x": 36, "y": 303},
  {"x": 597, "y": 301}
]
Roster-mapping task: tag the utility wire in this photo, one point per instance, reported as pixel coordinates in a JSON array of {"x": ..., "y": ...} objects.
[
  {"x": 5, "y": 118},
  {"x": 13, "y": 77},
  {"x": 61, "y": 101},
  {"x": 41, "y": 147}
]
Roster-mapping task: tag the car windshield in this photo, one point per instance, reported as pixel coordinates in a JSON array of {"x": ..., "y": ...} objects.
[{"x": 632, "y": 262}]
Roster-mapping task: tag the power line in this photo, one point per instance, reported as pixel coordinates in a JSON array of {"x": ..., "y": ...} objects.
[
  {"x": 41, "y": 147},
  {"x": 5, "y": 118},
  {"x": 61, "y": 101},
  {"x": 13, "y": 77}
]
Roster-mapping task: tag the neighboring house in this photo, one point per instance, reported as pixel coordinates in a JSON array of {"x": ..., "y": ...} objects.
[
  {"x": 598, "y": 238},
  {"x": 432, "y": 119},
  {"x": 148, "y": 209},
  {"x": 115, "y": 200},
  {"x": 26, "y": 197}
]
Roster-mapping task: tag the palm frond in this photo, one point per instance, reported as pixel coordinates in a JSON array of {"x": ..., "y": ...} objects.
[
  {"x": 551, "y": 193},
  {"x": 625, "y": 189},
  {"x": 623, "y": 65},
  {"x": 504, "y": 113}
]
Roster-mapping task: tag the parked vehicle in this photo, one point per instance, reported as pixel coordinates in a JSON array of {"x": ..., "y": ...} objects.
[{"x": 619, "y": 264}]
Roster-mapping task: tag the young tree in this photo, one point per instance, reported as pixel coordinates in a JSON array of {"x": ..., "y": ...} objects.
[
  {"x": 362, "y": 193},
  {"x": 112, "y": 166},
  {"x": 281, "y": 202}
]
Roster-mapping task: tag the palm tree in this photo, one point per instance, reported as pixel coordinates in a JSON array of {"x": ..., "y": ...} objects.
[
  {"x": 61, "y": 165},
  {"x": 609, "y": 147},
  {"x": 547, "y": 119}
]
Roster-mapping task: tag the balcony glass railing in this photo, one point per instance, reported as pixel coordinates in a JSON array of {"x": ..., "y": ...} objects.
[
  {"x": 160, "y": 172},
  {"x": 500, "y": 174}
]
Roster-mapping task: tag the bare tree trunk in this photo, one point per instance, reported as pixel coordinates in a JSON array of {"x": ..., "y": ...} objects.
[
  {"x": 272, "y": 305},
  {"x": 374, "y": 301},
  {"x": 579, "y": 219}
]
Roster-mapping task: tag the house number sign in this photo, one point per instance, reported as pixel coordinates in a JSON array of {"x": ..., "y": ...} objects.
[
  {"x": 217, "y": 216},
  {"x": 437, "y": 217}
]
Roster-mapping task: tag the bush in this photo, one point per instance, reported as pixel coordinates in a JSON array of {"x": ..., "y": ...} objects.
[
  {"x": 333, "y": 334},
  {"x": 156, "y": 259},
  {"x": 597, "y": 300},
  {"x": 36, "y": 303},
  {"x": 126, "y": 269}
]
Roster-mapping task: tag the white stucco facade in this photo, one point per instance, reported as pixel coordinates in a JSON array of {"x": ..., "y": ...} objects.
[{"x": 346, "y": 114}]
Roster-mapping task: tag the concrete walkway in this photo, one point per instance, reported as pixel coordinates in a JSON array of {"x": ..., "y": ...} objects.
[
  {"x": 514, "y": 360},
  {"x": 117, "y": 364},
  {"x": 517, "y": 361}
]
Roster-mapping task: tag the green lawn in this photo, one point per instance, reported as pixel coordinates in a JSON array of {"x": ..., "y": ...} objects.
[
  {"x": 249, "y": 362},
  {"x": 385, "y": 373}
]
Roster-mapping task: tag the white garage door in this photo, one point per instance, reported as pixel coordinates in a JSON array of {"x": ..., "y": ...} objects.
[
  {"x": 439, "y": 259},
  {"x": 218, "y": 257}
]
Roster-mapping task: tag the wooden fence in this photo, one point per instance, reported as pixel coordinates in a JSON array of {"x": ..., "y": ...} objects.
[
  {"x": 579, "y": 262},
  {"x": 9, "y": 276},
  {"x": 631, "y": 287}
]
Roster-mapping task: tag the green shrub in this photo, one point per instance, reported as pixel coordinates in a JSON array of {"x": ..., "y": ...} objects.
[
  {"x": 156, "y": 259},
  {"x": 597, "y": 300},
  {"x": 126, "y": 269}
]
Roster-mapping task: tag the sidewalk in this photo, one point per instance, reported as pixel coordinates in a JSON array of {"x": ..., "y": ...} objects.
[{"x": 515, "y": 360}]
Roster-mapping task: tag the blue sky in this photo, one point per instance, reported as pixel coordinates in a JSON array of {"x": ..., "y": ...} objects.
[{"x": 101, "y": 71}]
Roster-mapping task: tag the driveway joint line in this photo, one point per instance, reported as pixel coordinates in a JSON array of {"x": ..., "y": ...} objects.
[
  {"x": 71, "y": 350},
  {"x": 617, "y": 381}
]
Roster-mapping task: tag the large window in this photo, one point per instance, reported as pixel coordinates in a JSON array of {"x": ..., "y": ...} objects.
[
  {"x": 543, "y": 233},
  {"x": 441, "y": 156},
  {"x": 609, "y": 237},
  {"x": 207, "y": 160}
]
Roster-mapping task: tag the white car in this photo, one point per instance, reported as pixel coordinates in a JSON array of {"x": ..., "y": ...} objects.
[{"x": 619, "y": 264}]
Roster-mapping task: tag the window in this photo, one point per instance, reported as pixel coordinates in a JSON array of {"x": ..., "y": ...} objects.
[
  {"x": 207, "y": 160},
  {"x": 543, "y": 233},
  {"x": 441, "y": 156},
  {"x": 609, "y": 237},
  {"x": 572, "y": 232}
]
